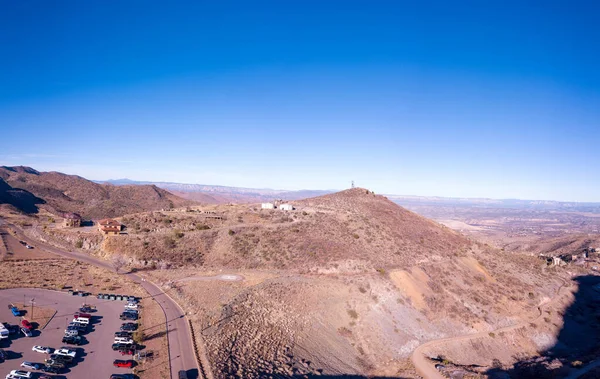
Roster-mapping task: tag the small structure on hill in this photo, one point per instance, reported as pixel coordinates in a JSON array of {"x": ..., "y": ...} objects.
[
  {"x": 268, "y": 206},
  {"x": 108, "y": 226},
  {"x": 286, "y": 207},
  {"x": 72, "y": 220}
]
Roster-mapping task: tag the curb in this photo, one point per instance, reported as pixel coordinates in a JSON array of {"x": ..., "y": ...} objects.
[{"x": 201, "y": 368}]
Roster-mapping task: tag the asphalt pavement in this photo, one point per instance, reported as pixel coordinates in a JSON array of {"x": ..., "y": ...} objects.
[{"x": 181, "y": 351}]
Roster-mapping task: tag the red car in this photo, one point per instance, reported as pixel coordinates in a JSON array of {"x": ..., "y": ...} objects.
[
  {"x": 82, "y": 315},
  {"x": 27, "y": 325},
  {"x": 127, "y": 352},
  {"x": 121, "y": 363}
]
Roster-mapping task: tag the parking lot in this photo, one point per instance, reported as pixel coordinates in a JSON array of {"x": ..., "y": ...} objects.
[{"x": 94, "y": 358}]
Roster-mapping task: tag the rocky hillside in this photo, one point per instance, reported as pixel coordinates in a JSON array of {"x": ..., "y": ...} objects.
[
  {"x": 349, "y": 275},
  {"x": 352, "y": 229},
  {"x": 70, "y": 193}
]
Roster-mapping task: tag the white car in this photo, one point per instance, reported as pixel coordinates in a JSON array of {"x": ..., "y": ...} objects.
[
  {"x": 42, "y": 349},
  {"x": 19, "y": 374},
  {"x": 131, "y": 306},
  {"x": 65, "y": 351},
  {"x": 30, "y": 365}
]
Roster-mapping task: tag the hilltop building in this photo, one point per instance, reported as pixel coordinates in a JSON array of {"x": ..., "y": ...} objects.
[
  {"x": 268, "y": 206},
  {"x": 72, "y": 220},
  {"x": 108, "y": 226},
  {"x": 286, "y": 207}
]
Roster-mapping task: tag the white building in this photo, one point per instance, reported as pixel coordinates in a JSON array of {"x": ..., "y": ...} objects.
[
  {"x": 268, "y": 206},
  {"x": 286, "y": 207}
]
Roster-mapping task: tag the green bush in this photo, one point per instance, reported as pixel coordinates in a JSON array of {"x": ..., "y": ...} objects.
[
  {"x": 231, "y": 232},
  {"x": 79, "y": 244}
]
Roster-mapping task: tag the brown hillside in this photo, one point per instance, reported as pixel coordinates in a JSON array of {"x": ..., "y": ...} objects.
[
  {"x": 70, "y": 193},
  {"x": 322, "y": 232},
  {"x": 348, "y": 275}
]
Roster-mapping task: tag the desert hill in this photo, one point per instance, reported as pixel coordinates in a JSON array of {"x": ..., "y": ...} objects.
[
  {"x": 349, "y": 274},
  {"x": 352, "y": 229},
  {"x": 70, "y": 193}
]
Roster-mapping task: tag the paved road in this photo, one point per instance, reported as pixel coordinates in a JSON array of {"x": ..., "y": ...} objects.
[
  {"x": 181, "y": 351},
  {"x": 424, "y": 366},
  {"x": 95, "y": 358}
]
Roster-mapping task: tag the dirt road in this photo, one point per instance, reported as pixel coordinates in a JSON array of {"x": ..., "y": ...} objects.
[
  {"x": 179, "y": 337},
  {"x": 428, "y": 370}
]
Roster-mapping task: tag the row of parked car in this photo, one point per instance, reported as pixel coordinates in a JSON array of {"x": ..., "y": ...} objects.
[
  {"x": 123, "y": 341},
  {"x": 57, "y": 360}
]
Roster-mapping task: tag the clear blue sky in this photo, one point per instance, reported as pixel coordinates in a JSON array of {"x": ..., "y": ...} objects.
[{"x": 451, "y": 98}]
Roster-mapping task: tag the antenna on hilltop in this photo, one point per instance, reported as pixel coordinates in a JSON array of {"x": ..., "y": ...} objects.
[{"x": 352, "y": 184}]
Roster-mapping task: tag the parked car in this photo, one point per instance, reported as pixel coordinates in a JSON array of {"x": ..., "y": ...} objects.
[
  {"x": 129, "y": 326},
  {"x": 42, "y": 349},
  {"x": 26, "y": 332},
  {"x": 87, "y": 308},
  {"x": 59, "y": 360},
  {"x": 31, "y": 365},
  {"x": 20, "y": 374},
  {"x": 128, "y": 316},
  {"x": 3, "y": 355},
  {"x": 29, "y": 246},
  {"x": 82, "y": 315},
  {"x": 131, "y": 306},
  {"x": 66, "y": 351},
  {"x": 123, "y": 376},
  {"x": 12, "y": 329},
  {"x": 117, "y": 346},
  {"x": 23, "y": 243},
  {"x": 182, "y": 374},
  {"x": 71, "y": 332},
  {"x": 123, "y": 363},
  {"x": 14, "y": 310},
  {"x": 124, "y": 340},
  {"x": 72, "y": 340},
  {"x": 127, "y": 352},
  {"x": 26, "y": 324},
  {"x": 52, "y": 369},
  {"x": 55, "y": 363}
]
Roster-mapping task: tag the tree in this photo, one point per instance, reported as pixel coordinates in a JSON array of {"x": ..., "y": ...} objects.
[{"x": 118, "y": 261}]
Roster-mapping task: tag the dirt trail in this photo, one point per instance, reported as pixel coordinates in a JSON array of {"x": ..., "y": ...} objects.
[
  {"x": 222, "y": 277},
  {"x": 425, "y": 368}
]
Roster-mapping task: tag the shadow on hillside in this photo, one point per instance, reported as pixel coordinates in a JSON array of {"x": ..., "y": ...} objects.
[
  {"x": 578, "y": 340},
  {"x": 21, "y": 199}
]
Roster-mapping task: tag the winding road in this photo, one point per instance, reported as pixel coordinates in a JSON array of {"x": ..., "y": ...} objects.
[
  {"x": 426, "y": 369},
  {"x": 179, "y": 336}
]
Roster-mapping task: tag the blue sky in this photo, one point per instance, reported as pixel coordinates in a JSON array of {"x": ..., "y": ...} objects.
[{"x": 493, "y": 99}]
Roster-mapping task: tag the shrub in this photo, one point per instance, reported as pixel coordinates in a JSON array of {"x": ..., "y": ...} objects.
[
  {"x": 356, "y": 236},
  {"x": 231, "y": 232},
  {"x": 304, "y": 213},
  {"x": 352, "y": 313},
  {"x": 381, "y": 271},
  {"x": 178, "y": 233},
  {"x": 202, "y": 227},
  {"x": 79, "y": 244},
  {"x": 492, "y": 334},
  {"x": 169, "y": 242}
]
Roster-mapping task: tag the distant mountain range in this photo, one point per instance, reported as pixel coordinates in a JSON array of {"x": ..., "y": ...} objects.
[{"x": 223, "y": 194}]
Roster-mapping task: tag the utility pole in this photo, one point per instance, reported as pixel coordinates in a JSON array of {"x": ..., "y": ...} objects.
[
  {"x": 352, "y": 184},
  {"x": 32, "y": 302}
]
